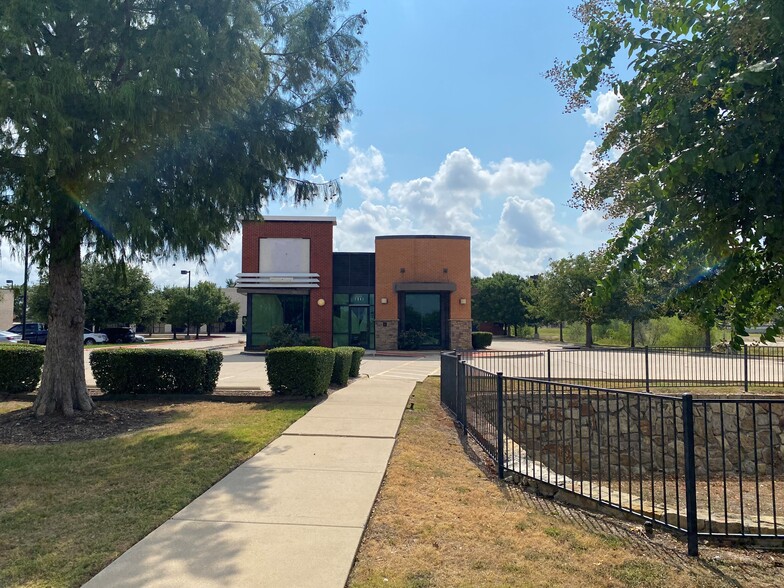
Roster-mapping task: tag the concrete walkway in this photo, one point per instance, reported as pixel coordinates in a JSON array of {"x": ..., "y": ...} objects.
[{"x": 291, "y": 516}]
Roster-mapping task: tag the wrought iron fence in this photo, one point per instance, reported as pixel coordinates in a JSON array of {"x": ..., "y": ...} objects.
[
  {"x": 708, "y": 467},
  {"x": 641, "y": 367}
]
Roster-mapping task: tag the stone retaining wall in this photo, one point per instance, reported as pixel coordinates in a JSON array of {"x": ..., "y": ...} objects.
[{"x": 619, "y": 435}]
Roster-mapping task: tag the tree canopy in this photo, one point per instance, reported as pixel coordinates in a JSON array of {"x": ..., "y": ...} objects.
[
  {"x": 693, "y": 162},
  {"x": 142, "y": 129},
  {"x": 498, "y": 299}
]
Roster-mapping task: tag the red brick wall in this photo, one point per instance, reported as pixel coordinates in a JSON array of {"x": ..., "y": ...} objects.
[
  {"x": 320, "y": 235},
  {"x": 424, "y": 259}
]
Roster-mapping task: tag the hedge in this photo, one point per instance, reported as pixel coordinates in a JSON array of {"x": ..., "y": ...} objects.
[
  {"x": 303, "y": 371},
  {"x": 357, "y": 353},
  {"x": 156, "y": 371},
  {"x": 342, "y": 367},
  {"x": 20, "y": 367},
  {"x": 481, "y": 339}
]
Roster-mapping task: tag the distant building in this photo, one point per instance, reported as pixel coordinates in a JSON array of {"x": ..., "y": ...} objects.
[
  {"x": 6, "y": 309},
  {"x": 291, "y": 275}
]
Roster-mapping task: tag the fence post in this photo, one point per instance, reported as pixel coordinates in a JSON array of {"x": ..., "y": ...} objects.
[
  {"x": 549, "y": 369},
  {"x": 647, "y": 371},
  {"x": 461, "y": 393},
  {"x": 500, "y": 423},
  {"x": 691, "y": 475},
  {"x": 745, "y": 368}
]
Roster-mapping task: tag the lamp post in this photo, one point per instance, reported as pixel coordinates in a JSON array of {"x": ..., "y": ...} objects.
[
  {"x": 188, "y": 332},
  {"x": 24, "y": 286},
  {"x": 13, "y": 301}
]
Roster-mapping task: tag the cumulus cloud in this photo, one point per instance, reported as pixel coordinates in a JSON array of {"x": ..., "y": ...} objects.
[
  {"x": 592, "y": 221},
  {"x": 365, "y": 169},
  {"x": 606, "y": 108},
  {"x": 581, "y": 172}
]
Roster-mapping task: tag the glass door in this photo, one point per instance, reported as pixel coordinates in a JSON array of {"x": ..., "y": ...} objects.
[
  {"x": 359, "y": 331},
  {"x": 423, "y": 313}
]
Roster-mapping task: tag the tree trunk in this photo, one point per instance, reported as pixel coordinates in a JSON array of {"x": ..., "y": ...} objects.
[
  {"x": 588, "y": 334},
  {"x": 536, "y": 332},
  {"x": 707, "y": 339},
  {"x": 632, "y": 322},
  {"x": 560, "y": 332},
  {"x": 63, "y": 387},
  {"x": 198, "y": 328}
]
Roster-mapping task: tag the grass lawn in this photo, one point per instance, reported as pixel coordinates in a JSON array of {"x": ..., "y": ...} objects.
[
  {"x": 69, "y": 509},
  {"x": 441, "y": 519}
]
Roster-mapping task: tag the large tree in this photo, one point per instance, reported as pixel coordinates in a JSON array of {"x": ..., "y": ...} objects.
[
  {"x": 498, "y": 299},
  {"x": 694, "y": 160},
  {"x": 148, "y": 128}
]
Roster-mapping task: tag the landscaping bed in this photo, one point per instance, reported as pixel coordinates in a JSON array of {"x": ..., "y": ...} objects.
[{"x": 443, "y": 519}]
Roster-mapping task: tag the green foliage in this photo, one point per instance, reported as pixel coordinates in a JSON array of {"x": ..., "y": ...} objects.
[
  {"x": 155, "y": 371},
  {"x": 411, "y": 339},
  {"x": 208, "y": 304},
  {"x": 154, "y": 309},
  {"x": 357, "y": 353},
  {"x": 288, "y": 336},
  {"x": 20, "y": 367},
  {"x": 342, "y": 368},
  {"x": 498, "y": 299},
  {"x": 114, "y": 293},
  {"x": 212, "y": 367},
  {"x": 136, "y": 130},
  {"x": 481, "y": 339},
  {"x": 302, "y": 371},
  {"x": 700, "y": 155}
]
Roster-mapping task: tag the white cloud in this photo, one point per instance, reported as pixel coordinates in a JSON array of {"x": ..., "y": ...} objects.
[
  {"x": 606, "y": 108},
  {"x": 365, "y": 169},
  {"x": 592, "y": 221},
  {"x": 581, "y": 172}
]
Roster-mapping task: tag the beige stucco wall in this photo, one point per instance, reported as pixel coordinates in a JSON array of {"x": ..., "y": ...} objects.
[{"x": 6, "y": 309}]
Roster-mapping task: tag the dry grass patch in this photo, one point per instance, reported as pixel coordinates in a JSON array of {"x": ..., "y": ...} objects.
[
  {"x": 441, "y": 519},
  {"x": 69, "y": 509}
]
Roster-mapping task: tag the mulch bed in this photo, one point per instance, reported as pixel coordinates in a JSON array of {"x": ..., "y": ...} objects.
[{"x": 20, "y": 427}]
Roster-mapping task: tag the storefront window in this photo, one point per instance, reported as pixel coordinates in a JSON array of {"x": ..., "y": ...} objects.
[{"x": 271, "y": 310}]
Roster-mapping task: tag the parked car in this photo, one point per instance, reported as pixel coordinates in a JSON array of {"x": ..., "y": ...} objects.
[
  {"x": 119, "y": 334},
  {"x": 9, "y": 337},
  {"x": 139, "y": 338},
  {"x": 91, "y": 338},
  {"x": 34, "y": 332}
]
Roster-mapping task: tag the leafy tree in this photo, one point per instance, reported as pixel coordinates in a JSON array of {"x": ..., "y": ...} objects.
[
  {"x": 570, "y": 292},
  {"x": 142, "y": 128},
  {"x": 114, "y": 293},
  {"x": 531, "y": 294},
  {"x": 231, "y": 283},
  {"x": 208, "y": 304},
  {"x": 38, "y": 302},
  {"x": 154, "y": 309},
  {"x": 497, "y": 299},
  {"x": 694, "y": 160},
  {"x": 178, "y": 304}
]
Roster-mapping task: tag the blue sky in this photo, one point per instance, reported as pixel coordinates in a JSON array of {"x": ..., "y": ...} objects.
[{"x": 458, "y": 132}]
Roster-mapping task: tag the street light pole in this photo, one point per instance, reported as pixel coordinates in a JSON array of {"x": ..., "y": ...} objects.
[
  {"x": 24, "y": 287},
  {"x": 183, "y": 272}
]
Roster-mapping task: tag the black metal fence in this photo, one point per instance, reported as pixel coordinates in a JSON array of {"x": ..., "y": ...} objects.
[
  {"x": 641, "y": 367},
  {"x": 708, "y": 467}
]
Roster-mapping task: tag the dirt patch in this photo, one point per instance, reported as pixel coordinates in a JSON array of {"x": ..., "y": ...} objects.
[{"x": 21, "y": 427}]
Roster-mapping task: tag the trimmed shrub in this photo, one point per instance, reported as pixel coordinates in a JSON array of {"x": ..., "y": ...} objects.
[
  {"x": 342, "y": 367},
  {"x": 20, "y": 367},
  {"x": 154, "y": 371},
  {"x": 410, "y": 340},
  {"x": 481, "y": 339},
  {"x": 212, "y": 370},
  {"x": 288, "y": 336},
  {"x": 304, "y": 371},
  {"x": 357, "y": 353}
]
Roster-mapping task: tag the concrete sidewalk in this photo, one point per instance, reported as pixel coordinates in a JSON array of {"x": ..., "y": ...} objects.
[{"x": 291, "y": 516}]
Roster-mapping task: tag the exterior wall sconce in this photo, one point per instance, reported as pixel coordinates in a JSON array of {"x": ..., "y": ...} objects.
[
  {"x": 462, "y": 301},
  {"x": 321, "y": 302},
  {"x": 383, "y": 301},
  {"x": 402, "y": 270}
]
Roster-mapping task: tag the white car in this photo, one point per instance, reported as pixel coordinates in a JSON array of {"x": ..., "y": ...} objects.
[
  {"x": 91, "y": 338},
  {"x": 9, "y": 337}
]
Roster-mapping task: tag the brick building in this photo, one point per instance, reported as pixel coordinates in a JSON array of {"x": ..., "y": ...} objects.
[{"x": 418, "y": 283}]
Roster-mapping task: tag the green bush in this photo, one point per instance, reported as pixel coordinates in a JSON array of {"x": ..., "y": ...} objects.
[
  {"x": 155, "y": 371},
  {"x": 20, "y": 367},
  {"x": 411, "y": 339},
  {"x": 481, "y": 339},
  {"x": 212, "y": 370},
  {"x": 304, "y": 371},
  {"x": 357, "y": 353},
  {"x": 288, "y": 336},
  {"x": 342, "y": 367}
]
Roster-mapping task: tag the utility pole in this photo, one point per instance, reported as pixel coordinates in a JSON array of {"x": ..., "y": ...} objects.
[{"x": 183, "y": 272}]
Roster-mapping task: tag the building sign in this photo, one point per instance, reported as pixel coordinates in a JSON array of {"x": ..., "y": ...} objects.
[{"x": 284, "y": 256}]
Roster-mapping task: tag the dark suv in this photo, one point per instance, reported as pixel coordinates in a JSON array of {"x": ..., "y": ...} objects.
[
  {"x": 34, "y": 332},
  {"x": 119, "y": 334}
]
